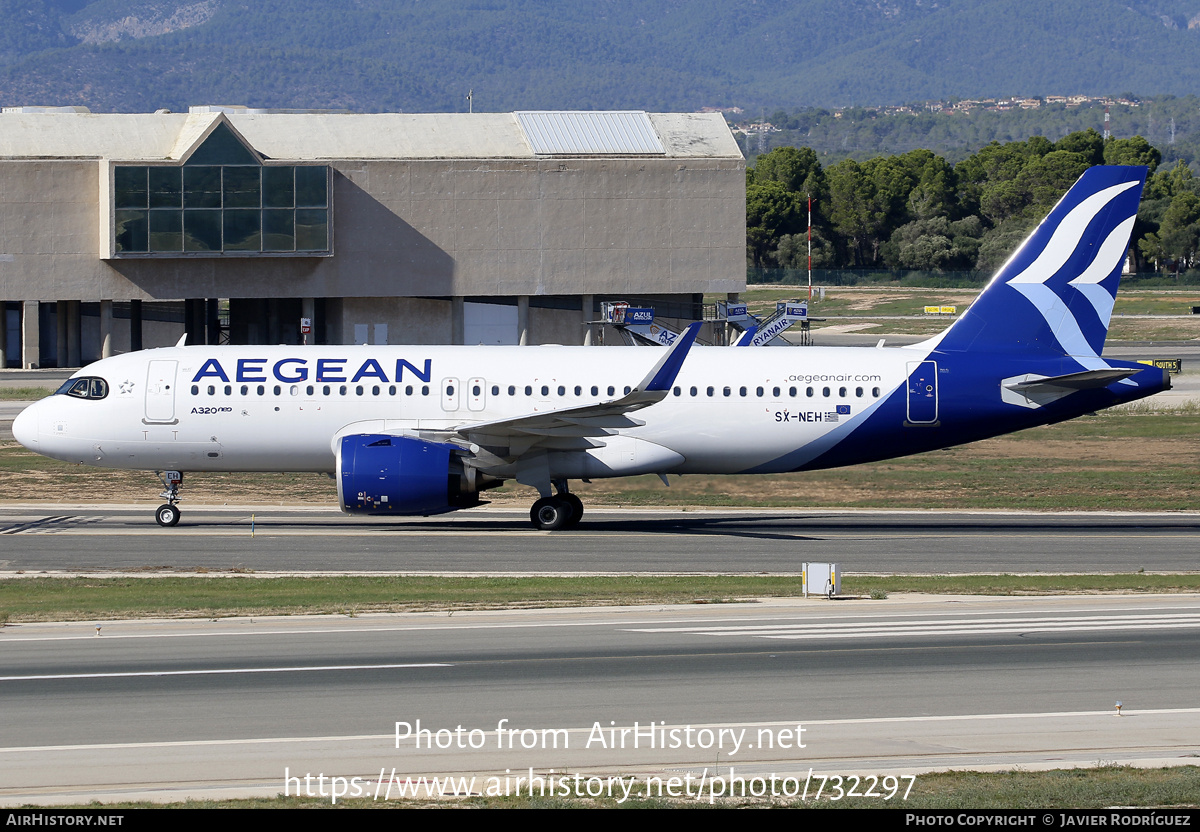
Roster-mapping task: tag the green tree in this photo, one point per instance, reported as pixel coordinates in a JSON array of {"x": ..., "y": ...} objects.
[
  {"x": 1134, "y": 151},
  {"x": 771, "y": 212},
  {"x": 1178, "y": 238},
  {"x": 797, "y": 169}
]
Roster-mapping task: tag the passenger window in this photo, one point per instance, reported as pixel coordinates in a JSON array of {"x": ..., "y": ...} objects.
[
  {"x": 228, "y": 389},
  {"x": 391, "y": 389},
  {"x": 842, "y": 392},
  {"x": 676, "y": 391},
  {"x": 595, "y": 390},
  {"x": 495, "y": 389},
  {"x": 775, "y": 392},
  {"x": 545, "y": 391},
  {"x": 246, "y": 389},
  {"x": 342, "y": 390},
  {"x": 825, "y": 392},
  {"x": 858, "y": 391},
  {"x": 262, "y": 390},
  {"x": 710, "y": 391},
  {"x": 325, "y": 390},
  {"x": 424, "y": 389},
  {"x": 408, "y": 390},
  {"x": 875, "y": 392},
  {"x": 512, "y": 391},
  {"x": 449, "y": 389},
  {"x": 792, "y": 392},
  {"x": 726, "y": 391},
  {"x": 809, "y": 392},
  {"x": 627, "y": 389},
  {"x": 277, "y": 390},
  {"x": 375, "y": 390},
  {"x": 80, "y": 390},
  {"x": 693, "y": 391},
  {"x": 742, "y": 391},
  {"x": 578, "y": 390},
  {"x": 760, "y": 392}
]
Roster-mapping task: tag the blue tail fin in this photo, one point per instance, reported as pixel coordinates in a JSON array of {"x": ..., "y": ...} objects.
[{"x": 1055, "y": 294}]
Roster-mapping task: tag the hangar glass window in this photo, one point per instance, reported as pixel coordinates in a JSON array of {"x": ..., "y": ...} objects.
[{"x": 221, "y": 201}]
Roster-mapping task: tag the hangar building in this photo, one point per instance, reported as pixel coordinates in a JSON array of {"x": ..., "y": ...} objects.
[{"x": 123, "y": 231}]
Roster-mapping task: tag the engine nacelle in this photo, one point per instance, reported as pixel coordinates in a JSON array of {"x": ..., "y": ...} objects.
[{"x": 397, "y": 475}]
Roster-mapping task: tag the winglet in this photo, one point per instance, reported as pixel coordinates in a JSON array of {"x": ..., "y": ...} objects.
[
  {"x": 182, "y": 340},
  {"x": 667, "y": 369}
]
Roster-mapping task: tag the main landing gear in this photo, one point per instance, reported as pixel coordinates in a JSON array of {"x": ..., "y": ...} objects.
[
  {"x": 558, "y": 511},
  {"x": 168, "y": 513}
]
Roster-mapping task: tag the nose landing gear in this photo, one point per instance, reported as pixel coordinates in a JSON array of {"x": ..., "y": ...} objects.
[{"x": 168, "y": 513}]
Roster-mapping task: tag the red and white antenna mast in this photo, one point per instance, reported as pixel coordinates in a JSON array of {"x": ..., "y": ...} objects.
[
  {"x": 810, "y": 248},
  {"x": 1107, "y": 124}
]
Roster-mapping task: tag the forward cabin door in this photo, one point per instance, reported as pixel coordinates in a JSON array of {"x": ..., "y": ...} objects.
[{"x": 160, "y": 391}]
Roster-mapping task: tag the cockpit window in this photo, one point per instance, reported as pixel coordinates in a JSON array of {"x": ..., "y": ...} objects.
[{"x": 84, "y": 388}]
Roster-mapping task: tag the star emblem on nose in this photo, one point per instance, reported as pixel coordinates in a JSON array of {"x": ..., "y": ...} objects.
[{"x": 126, "y": 386}]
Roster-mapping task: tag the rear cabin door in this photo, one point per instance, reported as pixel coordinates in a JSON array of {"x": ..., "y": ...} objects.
[{"x": 922, "y": 393}]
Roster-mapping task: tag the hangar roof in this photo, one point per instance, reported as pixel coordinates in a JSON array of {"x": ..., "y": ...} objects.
[{"x": 333, "y": 136}]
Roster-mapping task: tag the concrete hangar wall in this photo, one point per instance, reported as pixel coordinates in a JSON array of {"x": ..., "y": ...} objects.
[{"x": 120, "y": 232}]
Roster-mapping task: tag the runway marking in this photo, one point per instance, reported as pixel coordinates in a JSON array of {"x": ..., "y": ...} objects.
[
  {"x": 960, "y": 626},
  {"x": 750, "y": 726},
  {"x": 218, "y": 671},
  {"x": 61, "y": 524},
  {"x": 890, "y": 620}
]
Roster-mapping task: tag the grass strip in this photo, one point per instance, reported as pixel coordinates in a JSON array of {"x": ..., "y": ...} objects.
[
  {"x": 1092, "y": 788},
  {"x": 24, "y": 394},
  {"x": 97, "y": 598}
]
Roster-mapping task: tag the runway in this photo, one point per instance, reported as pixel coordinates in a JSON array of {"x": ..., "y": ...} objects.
[
  {"x": 99, "y": 538},
  {"x": 175, "y": 709}
]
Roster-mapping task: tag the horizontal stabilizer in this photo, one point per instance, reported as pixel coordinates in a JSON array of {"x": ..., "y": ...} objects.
[
  {"x": 1087, "y": 380},
  {"x": 1034, "y": 391}
]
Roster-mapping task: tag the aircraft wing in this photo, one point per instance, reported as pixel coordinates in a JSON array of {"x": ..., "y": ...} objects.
[{"x": 570, "y": 427}]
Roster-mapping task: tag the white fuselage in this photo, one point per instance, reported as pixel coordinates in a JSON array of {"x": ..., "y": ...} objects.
[{"x": 281, "y": 408}]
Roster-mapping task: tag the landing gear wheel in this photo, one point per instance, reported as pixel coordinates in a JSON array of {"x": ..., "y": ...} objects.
[
  {"x": 552, "y": 513},
  {"x": 167, "y": 515},
  {"x": 576, "y": 509}
]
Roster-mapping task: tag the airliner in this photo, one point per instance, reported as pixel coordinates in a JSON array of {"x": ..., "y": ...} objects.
[{"x": 422, "y": 430}]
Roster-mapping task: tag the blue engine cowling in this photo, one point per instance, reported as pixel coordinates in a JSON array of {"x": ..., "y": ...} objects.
[{"x": 379, "y": 474}]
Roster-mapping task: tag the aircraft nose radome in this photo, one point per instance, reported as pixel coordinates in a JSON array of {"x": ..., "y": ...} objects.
[{"x": 25, "y": 427}]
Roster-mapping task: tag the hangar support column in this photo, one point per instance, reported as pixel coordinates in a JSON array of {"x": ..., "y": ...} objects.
[
  {"x": 60, "y": 330},
  {"x": 135, "y": 325},
  {"x": 523, "y": 320},
  {"x": 458, "y": 322},
  {"x": 3, "y": 335},
  {"x": 74, "y": 359},
  {"x": 106, "y": 328},
  {"x": 30, "y": 336},
  {"x": 212, "y": 321},
  {"x": 589, "y": 301}
]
